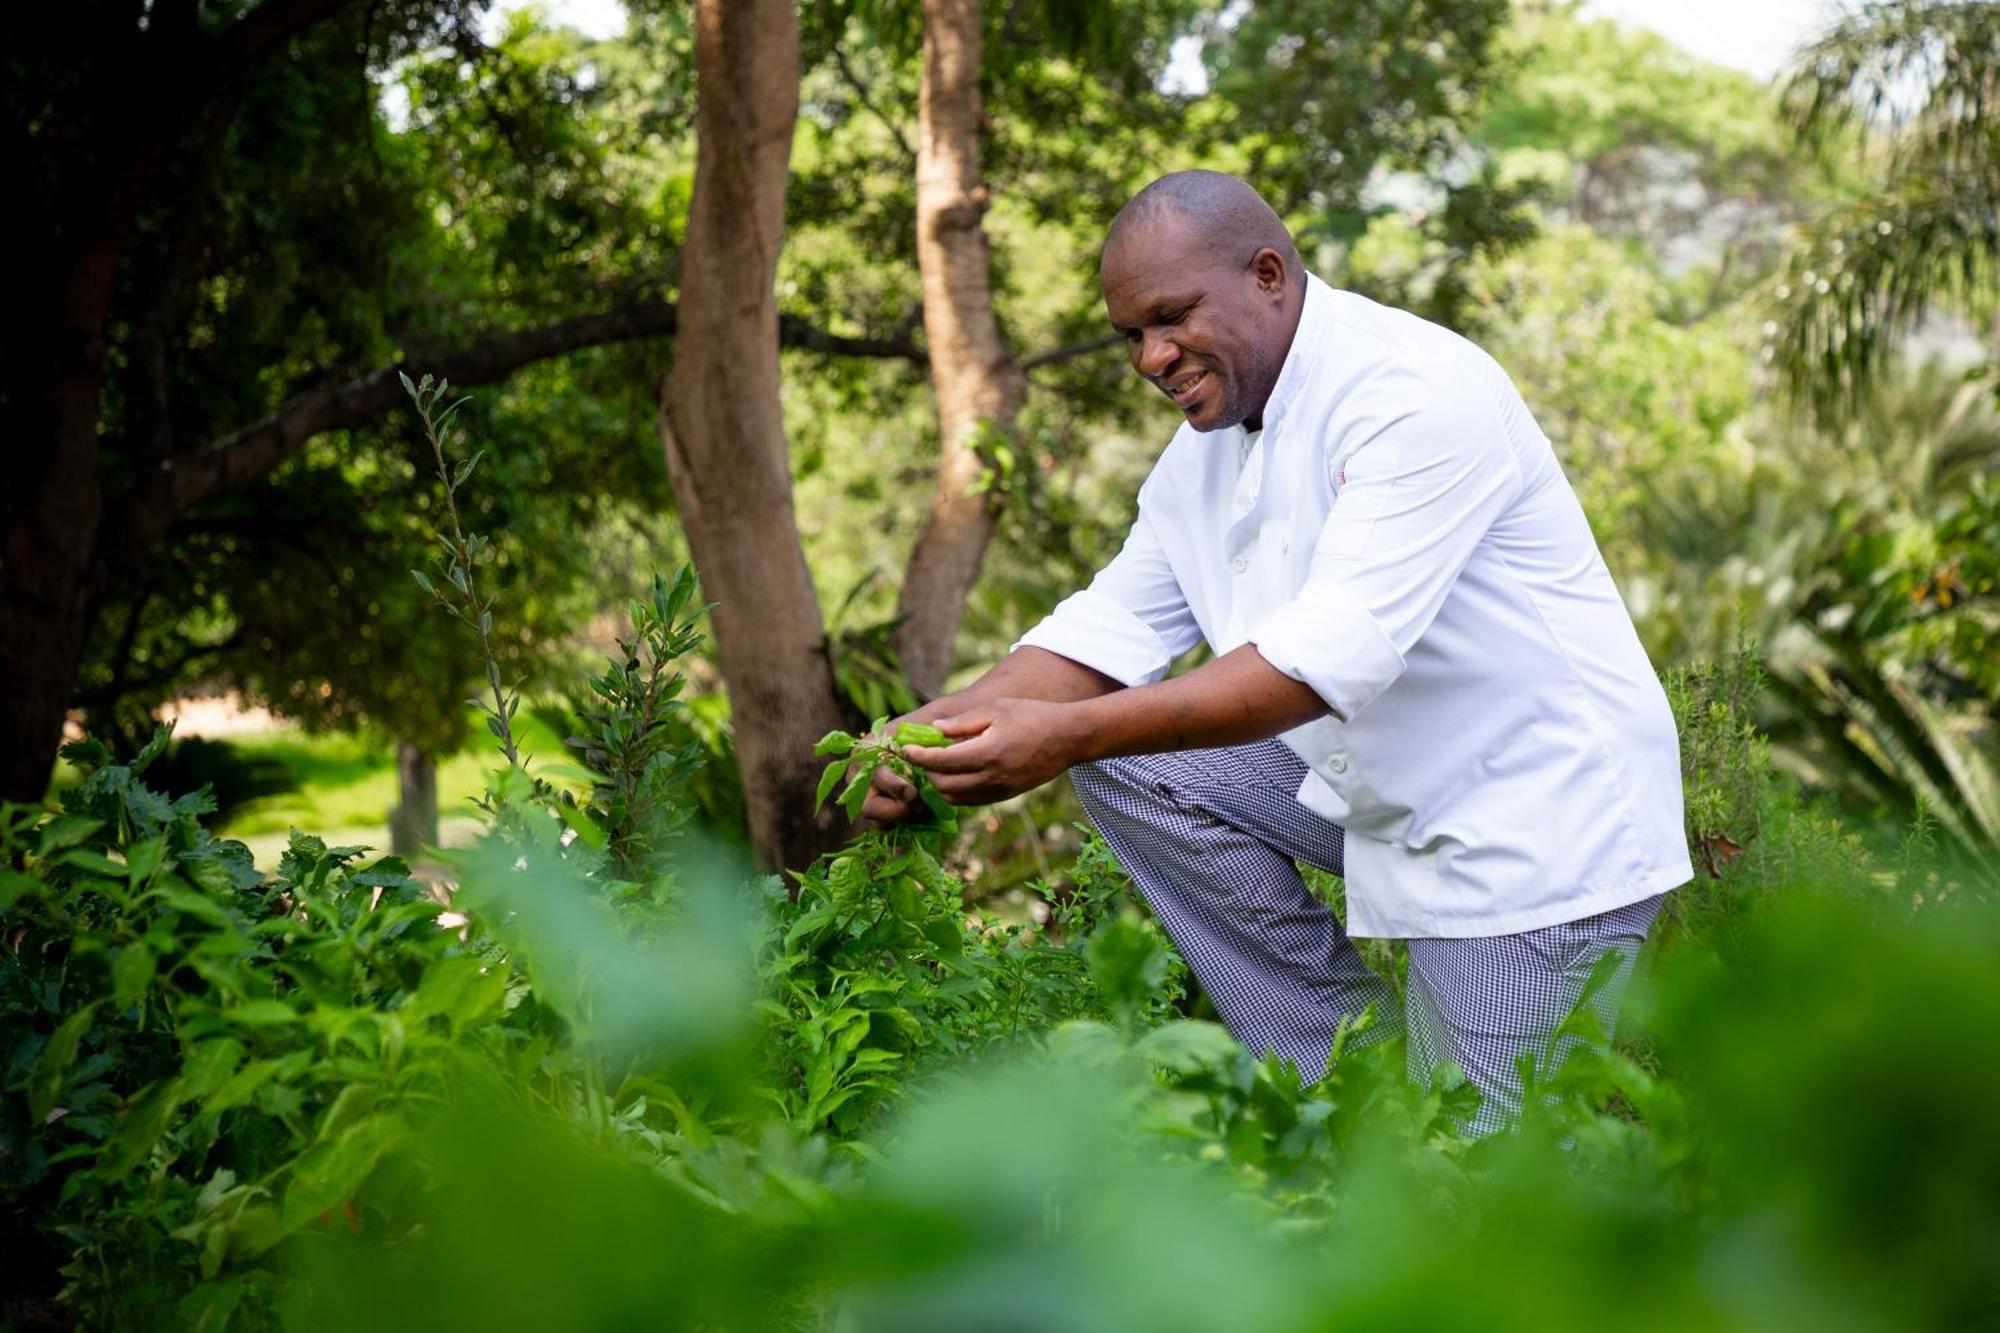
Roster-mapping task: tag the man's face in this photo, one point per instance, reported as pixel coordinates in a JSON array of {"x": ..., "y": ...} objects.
[{"x": 1205, "y": 329}]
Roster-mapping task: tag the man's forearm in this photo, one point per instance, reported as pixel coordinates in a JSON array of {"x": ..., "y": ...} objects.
[
  {"x": 1025, "y": 673},
  {"x": 1233, "y": 700}
]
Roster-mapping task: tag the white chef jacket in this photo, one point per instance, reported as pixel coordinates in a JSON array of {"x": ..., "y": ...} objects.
[{"x": 1402, "y": 539}]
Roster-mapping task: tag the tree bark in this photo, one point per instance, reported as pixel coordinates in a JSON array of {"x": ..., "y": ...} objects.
[
  {"x": 413, "y": 823},
  {"x": 723, "y": 433},
  {"x": 979, "y": 385},
  {"x": 46, "y": 597}
]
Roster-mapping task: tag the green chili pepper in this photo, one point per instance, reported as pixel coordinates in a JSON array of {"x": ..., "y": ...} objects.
[{"x": 917, "y": 733}]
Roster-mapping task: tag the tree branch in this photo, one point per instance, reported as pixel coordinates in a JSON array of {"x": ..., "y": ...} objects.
[
  {"x": 179, "y": 483},
  {"x": 800, "y": 334},
  {"x": 1070, "y": 351},
  {"x": 159, "y": 677},
  {"x": 860, "y": 91}
]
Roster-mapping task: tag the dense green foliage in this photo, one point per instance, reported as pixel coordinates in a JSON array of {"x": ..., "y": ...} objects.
[
  {"x": 861, "y": 1100},
  {"x": 205, "y": 1059}
]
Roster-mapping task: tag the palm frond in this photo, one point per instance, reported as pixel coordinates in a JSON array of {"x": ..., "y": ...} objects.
[
  {"x": 1873, "y": 270},
  {"x": 1975, "y": 786},
  {"x": 1924, "y": 74}
]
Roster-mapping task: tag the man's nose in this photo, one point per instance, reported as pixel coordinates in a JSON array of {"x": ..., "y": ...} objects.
[{"x": 1155, "y": 354}]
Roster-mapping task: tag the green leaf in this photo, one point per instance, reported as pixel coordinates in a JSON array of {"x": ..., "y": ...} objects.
[
  {"x": 252, "y": 1231},
  {"x": 65, "y": 831},
  {"x": 1127, "y": 960},
  {"x": 332, "y": 1173},
  {"x": 144, "y": 1121},
  {"x": 683, "y": 591},
  {"x": 835, "y": 742},
  {"x": 465, "y": 469},
  {"x": 87, "y": 755},
  {"x": 261, "y": 1013},
  {"x": 1188, "y": 1046},
  {"x": 241, "y": 1086},
  {"x": 131, "y": 972},
  {"x": 208, "y": 1065},
  {"x": 945, "y": 812},
  {"x": 96, "y": 862},
  {"x": 208, "y": 1307},
  {"x": 828, "y": 781},
  {"x": 199, "y": 906},
  {"x": 15, "y": 886},
  {"x": 485, "y": 994},
  {"x": 945, "y": 935},
  {"x": 353, "y": 1102},
  {"x": 588, "y": 830},
  {"x": 142, "y": 860},
  {"x": 852, "y": 799},
  {"x": 46, "y": 1081},
  {"x": 153, "y": 748}
]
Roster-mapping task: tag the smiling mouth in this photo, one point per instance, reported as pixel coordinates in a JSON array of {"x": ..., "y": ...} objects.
[{"x": 1186, "y": 389}]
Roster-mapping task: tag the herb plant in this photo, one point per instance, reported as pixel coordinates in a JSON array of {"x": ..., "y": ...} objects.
[{"x": 877, "y": 749}]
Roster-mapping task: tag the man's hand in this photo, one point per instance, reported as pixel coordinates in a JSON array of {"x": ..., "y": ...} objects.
[
  {"x": 891, "y": 798},
  {"x": 1023, "y": 675},
  {"x": 1007, "y": 743},
  {"x": 1000, "y": 748}
]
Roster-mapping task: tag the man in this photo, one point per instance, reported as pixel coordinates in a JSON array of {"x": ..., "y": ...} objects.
[{"x": 1423, "y": 676}]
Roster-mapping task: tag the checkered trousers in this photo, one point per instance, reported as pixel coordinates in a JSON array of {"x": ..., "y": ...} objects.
[{"x": 1210, "y": 838}]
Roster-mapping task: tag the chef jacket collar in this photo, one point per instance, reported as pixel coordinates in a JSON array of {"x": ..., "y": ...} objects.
[{"x": 1293, "y": 374}]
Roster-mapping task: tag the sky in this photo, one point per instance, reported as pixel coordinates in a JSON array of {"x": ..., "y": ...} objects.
[
  {"x": 1755, "y": 36},
  {"x": 592, "y": 18}
]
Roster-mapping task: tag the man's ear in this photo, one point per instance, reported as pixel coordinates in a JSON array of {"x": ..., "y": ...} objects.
[{"x": 1267, "y": 266}]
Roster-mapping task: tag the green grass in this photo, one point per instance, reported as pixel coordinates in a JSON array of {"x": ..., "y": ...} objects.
[{"x": 343, "y": 786}]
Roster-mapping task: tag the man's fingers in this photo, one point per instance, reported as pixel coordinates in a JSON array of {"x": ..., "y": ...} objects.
[
  {"x": 965, "y": 788},
  {"x": 966, "y": 757},
  {"x": 969, "y": 723},
  {"x": 883, "y": 810},
  {"x": 893, "y": 785}
]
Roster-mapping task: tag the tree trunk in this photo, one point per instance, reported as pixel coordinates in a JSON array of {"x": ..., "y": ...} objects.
[
  {"x": 723, "y": 434},
  {"x": 979, "y": 385},
  {"x": 46, "y": 597},
  {"x": 413, "y": 822},
  {"x": 52, "y": 392}
]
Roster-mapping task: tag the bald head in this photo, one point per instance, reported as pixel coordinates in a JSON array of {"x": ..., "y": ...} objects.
[
  {"x": 1221, "y": 212},
  {"x": 1203, "y": 281}
]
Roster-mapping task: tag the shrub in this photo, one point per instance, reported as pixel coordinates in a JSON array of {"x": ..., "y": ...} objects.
[{"x": 201, "y": 1062}]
